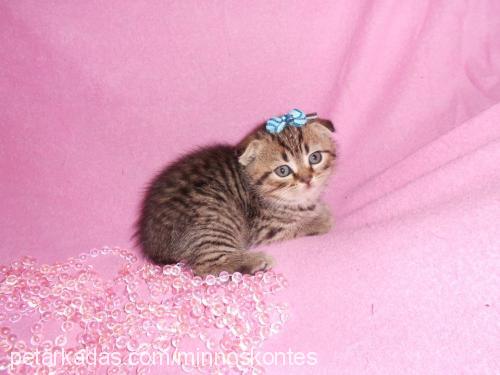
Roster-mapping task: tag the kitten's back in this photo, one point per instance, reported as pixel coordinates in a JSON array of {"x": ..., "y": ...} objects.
[{"x": 203, "y": 194}]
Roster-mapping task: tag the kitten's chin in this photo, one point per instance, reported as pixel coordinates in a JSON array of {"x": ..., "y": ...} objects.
[{"x": 298, "y": 197}]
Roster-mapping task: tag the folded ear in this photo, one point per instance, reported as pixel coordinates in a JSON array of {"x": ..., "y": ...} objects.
[
  {"x": 247, "y": 153},
  {"x": 326, "y": 123},
  {"x": 322, "y": 126}
]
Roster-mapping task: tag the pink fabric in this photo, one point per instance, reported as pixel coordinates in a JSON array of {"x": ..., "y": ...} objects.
[{"x": 95, "y": 97}]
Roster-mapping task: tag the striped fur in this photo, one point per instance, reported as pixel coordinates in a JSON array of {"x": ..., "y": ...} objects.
[{"x": 209, "y": 207}]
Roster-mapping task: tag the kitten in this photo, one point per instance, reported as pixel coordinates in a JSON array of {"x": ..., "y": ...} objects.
[{"x": 209, "y": 207}]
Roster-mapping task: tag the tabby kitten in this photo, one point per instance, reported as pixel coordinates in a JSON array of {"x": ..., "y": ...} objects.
[{"x": 209, "y": 207}]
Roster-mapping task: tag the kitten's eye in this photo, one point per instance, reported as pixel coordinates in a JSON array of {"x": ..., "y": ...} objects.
[
  {"x": 283, "y": 170},
  {"x": 315, "y": 157}
]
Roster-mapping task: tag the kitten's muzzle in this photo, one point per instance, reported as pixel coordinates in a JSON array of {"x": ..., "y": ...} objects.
[{"x": 306, "y": 180}]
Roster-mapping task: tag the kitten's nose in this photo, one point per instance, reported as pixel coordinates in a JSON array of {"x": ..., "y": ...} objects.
[{"x": 306, "y": 179}]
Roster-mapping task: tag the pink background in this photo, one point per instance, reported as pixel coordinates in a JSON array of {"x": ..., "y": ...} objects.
[{"x": 95, "y": 97}]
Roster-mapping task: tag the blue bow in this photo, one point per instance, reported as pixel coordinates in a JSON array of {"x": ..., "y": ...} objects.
[{"x": 295, "y": 118}]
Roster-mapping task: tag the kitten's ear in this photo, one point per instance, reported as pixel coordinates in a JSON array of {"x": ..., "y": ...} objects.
[
  {"x": 247, "y": 153},
  {"x": 326, "y": 123},
  {"x": 323, "y": 126}
]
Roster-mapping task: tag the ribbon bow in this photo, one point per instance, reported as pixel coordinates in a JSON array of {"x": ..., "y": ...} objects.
[{"x": 295, "y": 118}]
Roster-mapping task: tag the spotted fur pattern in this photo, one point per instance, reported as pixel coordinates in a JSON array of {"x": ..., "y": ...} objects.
[{"x": 209, "y": 207}]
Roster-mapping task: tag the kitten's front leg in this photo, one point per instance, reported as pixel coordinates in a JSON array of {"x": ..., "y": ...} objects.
[
  {"x": 320, "y": 223},
  {"x": 286, "y": 225}
]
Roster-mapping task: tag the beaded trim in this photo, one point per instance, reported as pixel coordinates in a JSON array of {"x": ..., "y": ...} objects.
[{"x": 141, "y": 308}]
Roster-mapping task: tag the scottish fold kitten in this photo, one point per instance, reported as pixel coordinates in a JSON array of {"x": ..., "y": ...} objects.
[{"x": 209, "y": 207}]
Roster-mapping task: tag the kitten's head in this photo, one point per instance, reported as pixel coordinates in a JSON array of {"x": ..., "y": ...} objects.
[{"x": 290, "y": 167}]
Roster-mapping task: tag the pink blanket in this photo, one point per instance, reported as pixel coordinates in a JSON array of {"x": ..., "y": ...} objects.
[{"x": 95, "y": 97}]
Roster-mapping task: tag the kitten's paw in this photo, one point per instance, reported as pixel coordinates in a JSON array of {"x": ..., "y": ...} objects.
[
  {"x": 256, "y": 261},
  {"x": 238, "y": 261},
  {"x": 325, "y": 219}
]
